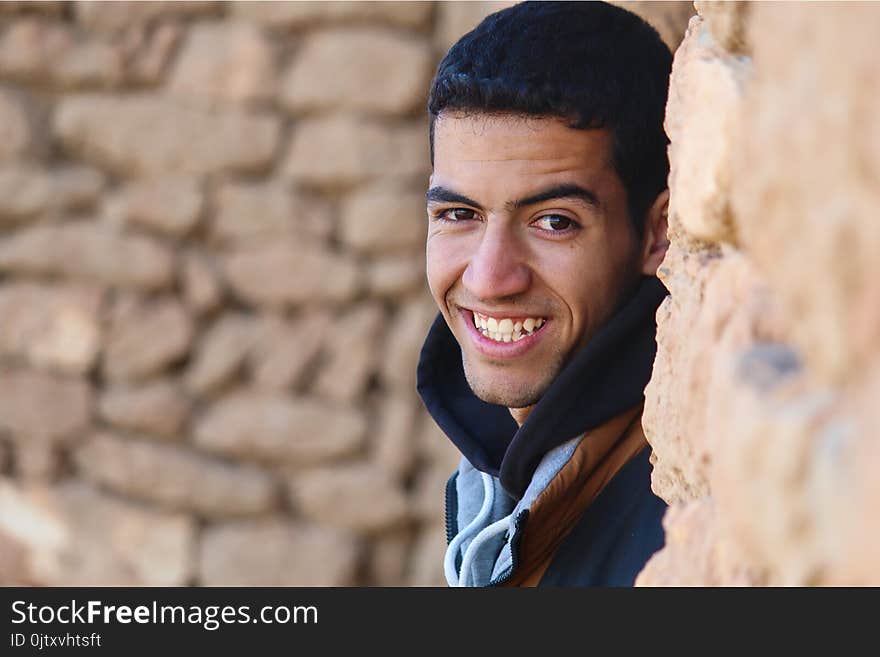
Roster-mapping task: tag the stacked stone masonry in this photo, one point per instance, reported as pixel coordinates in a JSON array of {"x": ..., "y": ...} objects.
[{"x": 212, "y": 294}]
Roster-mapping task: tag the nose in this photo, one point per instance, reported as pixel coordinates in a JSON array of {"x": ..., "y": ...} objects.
[{"x": 498, "y": 267}]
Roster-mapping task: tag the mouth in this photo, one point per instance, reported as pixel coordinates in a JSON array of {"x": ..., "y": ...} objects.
[{"x": 503, "y": 336}]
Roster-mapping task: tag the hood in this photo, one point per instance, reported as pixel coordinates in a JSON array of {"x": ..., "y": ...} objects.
[{"x": 607, "y": 376}]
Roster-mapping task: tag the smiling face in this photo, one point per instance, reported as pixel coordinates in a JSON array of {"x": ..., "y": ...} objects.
[{"x": 530, "y": 247}]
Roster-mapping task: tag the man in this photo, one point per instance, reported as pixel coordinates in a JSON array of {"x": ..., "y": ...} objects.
[{"x": 547, "y": 221}]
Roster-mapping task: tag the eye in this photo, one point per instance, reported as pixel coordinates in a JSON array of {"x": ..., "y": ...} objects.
[
  {"x": 555, "y": 223},
  {"x": 458, "y": 214}
]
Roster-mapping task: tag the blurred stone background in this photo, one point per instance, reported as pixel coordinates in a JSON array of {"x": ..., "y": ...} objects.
[{"x": 212, "y": 294}]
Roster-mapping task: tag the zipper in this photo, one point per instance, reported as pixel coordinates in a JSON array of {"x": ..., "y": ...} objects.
[
  {"x": 518, "y": 525},
  {"x": 451, "y": 508}
]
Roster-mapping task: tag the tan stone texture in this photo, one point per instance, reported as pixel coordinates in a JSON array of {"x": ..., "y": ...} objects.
[
  {"x": 36, "y": 405},
  {"x": 26, "y": 191},
  {"x": 72, "y": 535},
  {"x": 157, "y": 408},
  {"x": 298, "y": 15},
  {"x": 54, "y": 327},
  {"x": 276, "y": 553},
  {"x": 369, "y": 70},
  {"x": 152, "y": 135},
  {"x": 222, "y": 62},
  {"x": 89, "y": 251},
  {"x": 334, "y": 496},
  {"x": 341, "y": 151},
  {"x": 279, "y": 428},
  {"x": 169, "y": 206},
  {"x": 173, "y": 477},
  {"x": 384, "y": 220}
]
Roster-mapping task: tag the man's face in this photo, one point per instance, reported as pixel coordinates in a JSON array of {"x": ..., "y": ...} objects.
[{"x": 530, "y": 247}]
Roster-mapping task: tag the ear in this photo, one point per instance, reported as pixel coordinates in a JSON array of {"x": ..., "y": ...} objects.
[{"x": 655, "y": 242}]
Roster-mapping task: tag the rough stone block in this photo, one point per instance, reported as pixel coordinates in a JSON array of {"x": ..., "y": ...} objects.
[
  {"x": 170, "y": 206},
  {"x": 288, "y": 272},
  {"x": 156, "y": 408},
  {"x": 363, "y": 70},
  {"x": 72, "y": 535},
  {"x": 151, "y": 135},
  {"x": 276, "y": 553},
  {"x": 88, "y": 251},
  {"x": 286, "y": 350},
  {"x": 26, "y": 191},
  {"x": 358, "y": 497},
  {"x": 342, "y": 151},
  {"x": 42, "y": 406},
  {"x": 297, "y": 15},
  {"x": 232, "y": 62},
  {"x": 199, "y": 281},
  {"x": 144, "y": 338},
  {"x": 350, "y": 352},
  {"x": 384, "y": 220},
  {"x": 395, "y": 276},
  {"x": 221, "y": 352},
  {"x": 20, "y": 136},
  {"x": 262, "y": 211},
  {"x": 174, "y": 477},
  {"x": 279, "y": 428},
  {"x": 54, "y": 327},
  {"x": 703, "y": 120}
]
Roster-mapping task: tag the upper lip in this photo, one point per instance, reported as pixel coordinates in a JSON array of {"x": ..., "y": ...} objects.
[{"x": 503, "y": 313}]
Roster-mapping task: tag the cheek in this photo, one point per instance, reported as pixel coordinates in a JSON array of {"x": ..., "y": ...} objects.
[{"x": 443, "y": 266}]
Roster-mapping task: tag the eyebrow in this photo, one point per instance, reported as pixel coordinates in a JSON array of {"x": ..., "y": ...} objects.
[{"x": 567, "y": 190}]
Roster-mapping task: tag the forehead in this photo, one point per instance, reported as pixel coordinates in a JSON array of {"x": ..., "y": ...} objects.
[{"x": 471, "y": 146}]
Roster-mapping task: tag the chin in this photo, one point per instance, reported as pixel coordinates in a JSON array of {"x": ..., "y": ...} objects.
[{"x": 511, "y": 394}]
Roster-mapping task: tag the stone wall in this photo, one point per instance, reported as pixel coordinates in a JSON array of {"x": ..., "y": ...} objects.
[
  {"x": 212, "y": 291},
  {"x": 763, "y": 407}
]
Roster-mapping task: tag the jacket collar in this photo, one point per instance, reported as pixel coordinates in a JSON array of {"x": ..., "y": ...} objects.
[{"x": 604, "y": 378}]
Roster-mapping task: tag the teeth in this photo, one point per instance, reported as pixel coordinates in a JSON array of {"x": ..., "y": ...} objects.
[{"x": 505, "y": 329}]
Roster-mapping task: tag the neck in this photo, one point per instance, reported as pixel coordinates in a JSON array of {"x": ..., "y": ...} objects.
[{"x": 520, "y": 414}]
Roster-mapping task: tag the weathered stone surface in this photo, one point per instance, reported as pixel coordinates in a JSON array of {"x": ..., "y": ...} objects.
[
  {"x": 41, "y": 7},
  {"x": 403, "y": 341},
  {"x": 429, "y": 493},
  {"x": 813, "y": 230},
  {"x": 394, "y": 439},
  {"x": 157, "y": 408},
  {"x": 287, "y": 271},
  {"x": 199, "y": 282},
  {"x": 455, "y": 19},
  {"x": 276, "y": 553},
  {"x": 388, "y": 558},
  {"x": 148, "y": 52},
  {"x": 41, "y": 406},
  {"x": 144, "y": 338},
  {"x": 279, "y": 428},
  {"x": 434, "y": 446},
  {"x": 426, "y": 566},
  {"x": 395, "y": 276},
  {"x": 89, "y": 251},
  {"x": 728, "y": 23},
  {"x": 219, "y": 62},
  {"x": 296, "y": 15},
  {"x": 120, "y": 16},
  {"x": 350, "y": 352},
  {"x": 19, "y": 133},
  {"x": 361, "y": 69},
  {"x": 703, "y": 120},
  {"x": 221, "y": 353},
  {"x": 175, "y": 477},
  {"x": 716, "y": 308},
  {"x": 151, "y": 135},
  {"x": 342, "y": 151},
  {"x": 696, "y": 552},
  {"x": 359, "y": 497},
  {"x": 54, "y": 327},
  {"x": 170, "y": 206},
  {"x": 261, "y": 211},
  {"x": 71, "y": 535},
  {"x": 36, "y": 460},
  {"x": 669, "y": 18},
  {"x": 384, "y": 220},
  {"x": 286, "y": 350},
  {"x": 27, "y": 191},
  {"x": 34, "y": 49}
]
